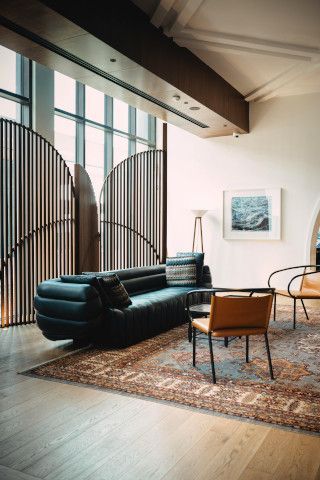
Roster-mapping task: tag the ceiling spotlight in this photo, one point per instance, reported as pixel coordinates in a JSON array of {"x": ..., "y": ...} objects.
[
  {"x": 176, "y": 97},
  {"x": 186, "y": 103},
  {"x": 194, "y": 108},
  {"x": 113, "y": 60}
]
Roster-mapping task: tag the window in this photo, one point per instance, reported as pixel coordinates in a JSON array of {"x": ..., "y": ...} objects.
[
  {"x": 96, "y": 131},
  {"x": 142, "y": 124},
  {"x": 14, "y": 86},
  {"x": 120, "y": 115},
  {"x": 8, "y": 77},
  {"x": 120, "y": 149},
  {"x": 10, "y": 109},
  {"x": 64, "y": 93},
  {"x": 65, "y": 138},
  {"x": 141, "y": 147},
  {"x": 94, "y": 105}
]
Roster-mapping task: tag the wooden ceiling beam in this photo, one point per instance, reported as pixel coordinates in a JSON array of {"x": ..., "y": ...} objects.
[
  {"x": 128, "y": 30},
  {"x": 161, "y": 11}
]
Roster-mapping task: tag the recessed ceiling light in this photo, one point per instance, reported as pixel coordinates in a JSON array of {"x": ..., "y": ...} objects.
[
  {"x": 194, "y": 108},
  {"x": 185, "y": 103},
  {"x": 225, "y": 125},
  {"x": 113, "y": 60},
  {"x": 176, "y": 97}
]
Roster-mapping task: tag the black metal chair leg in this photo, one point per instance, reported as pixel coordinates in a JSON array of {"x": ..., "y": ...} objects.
[
  {"x": 269, "y": 356},
  {"x": 194, "y": 347},
  {"x": 226, "y": 341},
  {"x": 247, "y": 348},
  {"x": 189, "y": 331},
  {"x": 212, "y": 360},
  {"x": 304, "y": 308},
  {"x": 294, "y": 312},
  {"x": 274, "y": 307}
]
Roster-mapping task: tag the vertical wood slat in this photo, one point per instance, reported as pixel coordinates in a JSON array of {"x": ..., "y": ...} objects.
[
  {"x": 133, "y": 212},
  {"x": 37, "y": 219}
]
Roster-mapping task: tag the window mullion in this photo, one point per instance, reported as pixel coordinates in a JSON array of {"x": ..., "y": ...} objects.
[
  {"x": 80, "y": 124},
  {"x": 108, "y": 136},
  {"x": 132, "y": 130}
]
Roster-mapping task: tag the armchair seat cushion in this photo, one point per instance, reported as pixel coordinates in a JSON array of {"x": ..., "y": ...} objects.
[
  {"x": 202, "y": 324},
  {"x": 305, "y": 293}
]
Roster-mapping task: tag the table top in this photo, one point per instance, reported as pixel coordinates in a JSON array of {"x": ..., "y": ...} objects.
[{"x": 201, "y": 308}]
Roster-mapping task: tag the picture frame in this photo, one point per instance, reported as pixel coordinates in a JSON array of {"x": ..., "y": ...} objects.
[{"x": 252, "y": 214}]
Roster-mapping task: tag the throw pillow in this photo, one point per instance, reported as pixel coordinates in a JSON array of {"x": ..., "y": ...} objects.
[
  {"x": 181, "y": 272},
  {"x": 91, "y": 280},
  {"x": 199, "y": 263},
  {"x": 115, "y": 291}
]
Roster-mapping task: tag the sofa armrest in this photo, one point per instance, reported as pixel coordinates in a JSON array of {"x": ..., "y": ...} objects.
[
  {"x": 69, "y": 301},
  {"x": 57, "y": 289}
]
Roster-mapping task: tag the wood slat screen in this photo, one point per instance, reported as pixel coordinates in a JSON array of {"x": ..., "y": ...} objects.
[
  {"x": 133, "y": 212},
  {"x": 37, "y": 219}
]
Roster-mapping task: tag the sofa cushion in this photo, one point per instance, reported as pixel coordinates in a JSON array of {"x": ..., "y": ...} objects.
[
  {"x": 115, "y": 292},
  {"x": 148, "y": 315},
  {"x": 181, "y": 271},
  {"x": 199, "y": 257},
  {"x": 140, "y": 279}
]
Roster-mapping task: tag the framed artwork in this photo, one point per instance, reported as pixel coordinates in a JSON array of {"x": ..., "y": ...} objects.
[{"x": 252, "y": 214}]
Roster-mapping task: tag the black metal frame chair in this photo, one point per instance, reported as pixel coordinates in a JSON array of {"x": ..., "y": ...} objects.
[
  {"x": 290, "y": 293},
  {"x": 250, "y": 291}
]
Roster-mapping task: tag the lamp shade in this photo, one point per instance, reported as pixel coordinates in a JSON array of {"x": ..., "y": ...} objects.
[{"x": 199, "y": 213}]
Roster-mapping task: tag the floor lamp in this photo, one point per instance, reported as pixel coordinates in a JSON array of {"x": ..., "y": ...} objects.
[{"x": 198, "y": 214}]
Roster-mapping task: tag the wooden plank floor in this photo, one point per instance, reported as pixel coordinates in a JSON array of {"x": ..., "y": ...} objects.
[{"x": 56, "y": 431}]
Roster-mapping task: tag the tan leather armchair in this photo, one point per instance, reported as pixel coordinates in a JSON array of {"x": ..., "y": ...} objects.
[
  {"x": 237, "y": 316},
  {"x": 309, "y": 288}
]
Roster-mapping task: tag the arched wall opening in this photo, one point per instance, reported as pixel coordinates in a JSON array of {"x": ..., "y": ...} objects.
[{"x": 311, "y": 253}]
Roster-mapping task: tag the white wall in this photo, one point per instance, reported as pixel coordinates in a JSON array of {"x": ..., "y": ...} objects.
[{"x": 282, "y": 150}]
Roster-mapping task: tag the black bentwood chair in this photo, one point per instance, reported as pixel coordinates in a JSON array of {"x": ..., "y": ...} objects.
[{"x": 309, "y": 288}]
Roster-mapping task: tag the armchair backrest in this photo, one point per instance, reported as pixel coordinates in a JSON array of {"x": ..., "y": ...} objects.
[
  {"x": 240, "y": 312},
  {"x": 311, "y": 281}
]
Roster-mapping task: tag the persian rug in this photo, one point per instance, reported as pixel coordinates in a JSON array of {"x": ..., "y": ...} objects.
[{"x": 161, "y": 368}]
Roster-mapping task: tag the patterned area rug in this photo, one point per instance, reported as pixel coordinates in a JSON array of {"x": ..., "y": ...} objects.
[{"x": 162, "y": 368}]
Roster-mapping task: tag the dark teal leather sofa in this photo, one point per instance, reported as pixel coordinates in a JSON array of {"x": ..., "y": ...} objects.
[{"x": 75, "y": 311}]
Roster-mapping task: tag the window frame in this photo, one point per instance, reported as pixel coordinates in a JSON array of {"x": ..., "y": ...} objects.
[
  {"x": 109, "y": 131},
  {"x": 24, "y": 86}
]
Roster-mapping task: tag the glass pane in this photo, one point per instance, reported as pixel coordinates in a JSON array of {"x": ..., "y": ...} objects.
[
  {"x": 65, "y": 138},
  {"x": 142, "y": 124},
  {"x": 120, "y": 149},
  {"x": 9, "y": 109},
  {"x": 8, "y": 68},
  {"x": 64, "y": 92},
  {"x": 95, "y": 158},
  {"x": 120, "y": 115},
  {"x": 141, "y": 147},
  {"x": 94, "y": 105}
]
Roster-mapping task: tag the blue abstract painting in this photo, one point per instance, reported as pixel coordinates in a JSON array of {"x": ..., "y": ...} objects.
[{"x": 252, "y": 213}]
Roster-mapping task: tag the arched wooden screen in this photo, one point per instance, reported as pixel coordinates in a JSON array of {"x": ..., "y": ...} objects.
[
  {"x": 37, "y": 219},
  {"x": 133, "y": 212}
]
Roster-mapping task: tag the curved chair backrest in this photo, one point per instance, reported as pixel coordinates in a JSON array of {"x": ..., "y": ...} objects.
[
  {"x": 240, "y": 312},
  {"x": 311, "y": 281}
]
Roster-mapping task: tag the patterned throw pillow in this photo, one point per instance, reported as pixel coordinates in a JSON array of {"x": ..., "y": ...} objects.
[
  {"x": 181, "y": 272},
  {"x": 115, "y": 291},
  {"x": 199, "y": 256}
]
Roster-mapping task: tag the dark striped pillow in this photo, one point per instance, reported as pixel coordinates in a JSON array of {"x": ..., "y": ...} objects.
[
  {"x": 115, "y": 291},
  {"x": 181, "y": 272}
]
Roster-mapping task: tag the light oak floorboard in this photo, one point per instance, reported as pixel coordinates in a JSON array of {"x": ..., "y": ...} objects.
[{"x": 58, "y": 431}]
